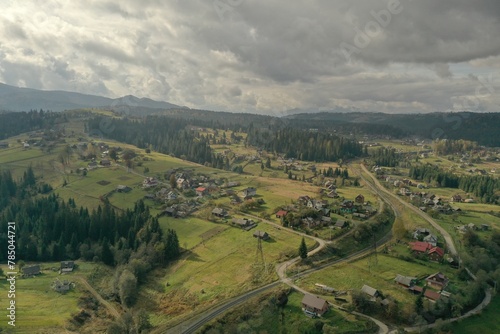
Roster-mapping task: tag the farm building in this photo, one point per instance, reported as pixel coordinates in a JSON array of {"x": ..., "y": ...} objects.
[
  {"x": 67, "y": 266},
  {"x": 405, "y": 281},
  {"x": 30, "y": 271},
  {"x": 437, "y": 281},
  {"x": 261, "y": 235},
  {"x": 219, "y": 212},
  {"x": 373, "y": 293},
  {"x": 123, "y": 189}
]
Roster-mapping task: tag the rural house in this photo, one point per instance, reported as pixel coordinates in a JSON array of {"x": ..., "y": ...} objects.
[
  {"x": 405, "y": 281},
  {"x": 219, "y": 212},
  {"x": 201, "y": 191},
  {"x": 244, "y": 223},
  {"x": 67, "y": 266},
  {"x": 432, "y": 295},
  {"x": 248, "y": 192},
  {"x": 313, "y": 305},
  {"x": 360, "y": 199},
  {"x": 150, "y": 182},
  {"x": 437, "y": 281},
  {"x": 281, "y": 214},
  {"x": 436, "y": 254},
  {"x": 340, "y": 224},
  {"x": 30, "y": 271},
  {"x": 373, "y": 293},
  {"x": 420, "y": 247},
  {"x": 123, "y": 189},
  {"x": 261, "y": 235}
]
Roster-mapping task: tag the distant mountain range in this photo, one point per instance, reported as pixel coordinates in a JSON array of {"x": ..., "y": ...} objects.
[{"x": 25, "y": 99}]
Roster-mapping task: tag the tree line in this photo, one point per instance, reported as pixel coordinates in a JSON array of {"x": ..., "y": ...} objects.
[
  {"x": 14, "y": 123},
  {"x": 165, "y": 135},
  {"x": 484, "y": 187},
  {"x": 304, "y": 145}
]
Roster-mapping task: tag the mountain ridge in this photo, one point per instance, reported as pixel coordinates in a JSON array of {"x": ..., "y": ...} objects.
[{"x": 14, "y": 98}]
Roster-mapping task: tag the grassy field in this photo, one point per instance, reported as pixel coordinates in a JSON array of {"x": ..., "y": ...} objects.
[
  {"x": 38, "y": 307},
  {"x": 207, "y": 273},
  {"x": 265, "y": 317},
  {"x": 486, "y": 322},
  {"x": 379, "y": 275}
]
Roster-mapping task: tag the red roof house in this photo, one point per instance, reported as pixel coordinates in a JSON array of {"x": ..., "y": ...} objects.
[
  {"x": 432, "y": 295},
  {"x": 200, "y": 191},
  {"x": 281, "y": 214},
  {"x": 436, "y": 254},
  {"x": 420, "y": 247}
]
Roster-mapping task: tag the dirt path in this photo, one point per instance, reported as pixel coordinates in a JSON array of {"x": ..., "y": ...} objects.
[{"x": 112, "y": 310}]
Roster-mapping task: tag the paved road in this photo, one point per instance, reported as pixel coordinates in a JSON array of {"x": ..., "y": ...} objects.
[{"x": 192, "y": 325}]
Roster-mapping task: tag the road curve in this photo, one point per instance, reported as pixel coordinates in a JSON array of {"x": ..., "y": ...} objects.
[{"x": 449, "y": 241}]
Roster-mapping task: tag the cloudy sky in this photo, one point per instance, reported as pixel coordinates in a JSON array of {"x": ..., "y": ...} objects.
[{"x": 261, "y": 56}]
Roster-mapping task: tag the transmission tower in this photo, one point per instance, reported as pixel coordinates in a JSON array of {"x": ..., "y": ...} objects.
[{"x": 259, "y": 256}]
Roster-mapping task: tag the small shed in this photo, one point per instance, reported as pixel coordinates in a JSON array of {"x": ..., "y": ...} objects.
[
  {"x": 123, "y": 189},
  {"x": 261, "y": 235},
  {"x": 373, "y": 293}
]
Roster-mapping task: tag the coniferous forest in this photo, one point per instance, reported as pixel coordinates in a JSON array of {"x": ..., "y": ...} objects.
[
  {"x": 50, "y": 229},
  {"x": 305, "y": 145}
]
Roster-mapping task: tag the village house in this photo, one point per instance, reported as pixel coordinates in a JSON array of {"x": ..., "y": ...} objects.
[
  {"x": 281, "y": 214},
  {"x": 248, "y": 192},
  {"x": 420, "y": 233},
  {"x": 182, "y": 183},
  {"x": 219, "y": 212},
  {"x": 431, "y": 239},
  {"x": 4, "y": 145},
  {"x": 105, "y": 163},
  {"x": 360, "y": 199},
  {"x": 92, "y": 165},
  {"x": 419, "y": 247},
  {"x": 437, "y": 281},
  {"x": 261, "y": 235},
  {"x": 123, "y": 189},
  {"x": 347, "y": 206},
  {"x": 405, "y": 281},
  {"x": 150, "y": 182},
  {"x": 67, "y": 266},
  {"x": 313, "y": 305},
  {"x": 456, "y": 198},
  {"x": 30, "y": 271},
  {"x": 326, "y": 220},
  {"x": 171, "y": 195},
  {"x": 435, "y": 254},
  {"x": 340, "y": 223},
  {"x": 243, "y": 223},
  {"x": 373, "y": 293},
  {"x": 431, "y": 295},
  {"x": 170, "y": 211},
  {"x": 62, "y": 287},
  {"x": 201, "y": 191}
]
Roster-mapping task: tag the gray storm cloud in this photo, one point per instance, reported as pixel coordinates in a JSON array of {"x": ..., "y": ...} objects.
[{"x": 259, "y": 56}]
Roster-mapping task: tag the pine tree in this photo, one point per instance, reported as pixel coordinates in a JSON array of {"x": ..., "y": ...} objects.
[{"x": 303, "y": 249}]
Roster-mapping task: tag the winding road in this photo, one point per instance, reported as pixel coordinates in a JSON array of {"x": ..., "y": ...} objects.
[{"x": 389, "y": 198}]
